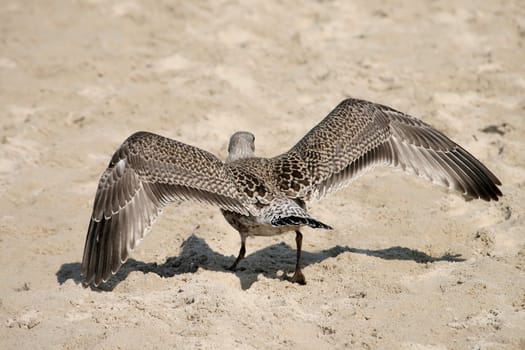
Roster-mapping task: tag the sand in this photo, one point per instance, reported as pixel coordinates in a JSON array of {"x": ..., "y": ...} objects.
[{"x": 408, "y": 265}]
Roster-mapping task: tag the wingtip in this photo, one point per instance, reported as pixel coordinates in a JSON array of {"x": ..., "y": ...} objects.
[
  {"x": 496, "y": 195},
  {"x": 489, "y": 195}
]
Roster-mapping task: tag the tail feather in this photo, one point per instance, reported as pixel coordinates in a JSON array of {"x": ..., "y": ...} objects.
[{"x": 298, "y": 221}]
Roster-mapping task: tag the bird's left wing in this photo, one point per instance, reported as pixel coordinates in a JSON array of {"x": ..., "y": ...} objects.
[{"x": 146, "y": 173}]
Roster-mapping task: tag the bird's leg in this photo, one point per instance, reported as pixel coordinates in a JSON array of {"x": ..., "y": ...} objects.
[
  {"x": 298, "y": 276},
  {"x": 242, "y": 252}
]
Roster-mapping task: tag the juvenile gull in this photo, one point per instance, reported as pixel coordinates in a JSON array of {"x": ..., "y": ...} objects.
[{"x": 267, "y": 196}]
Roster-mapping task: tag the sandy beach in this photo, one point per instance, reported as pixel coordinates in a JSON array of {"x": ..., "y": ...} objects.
[{"x": 408, "y": 264}]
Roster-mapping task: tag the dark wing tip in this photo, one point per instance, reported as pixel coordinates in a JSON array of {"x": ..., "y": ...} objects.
[
  {"x": 102, "y": 253},
  {"x": 431, "y": 154},
  {"x": 484, "y": 182}
]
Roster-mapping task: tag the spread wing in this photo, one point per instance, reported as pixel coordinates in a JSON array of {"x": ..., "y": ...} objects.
[
  {"x": 145, "y": 174},
  {"x": 359, "y": 135}
]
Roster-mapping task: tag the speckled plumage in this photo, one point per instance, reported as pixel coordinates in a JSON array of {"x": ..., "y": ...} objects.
[{"x": 266, "y": 196}]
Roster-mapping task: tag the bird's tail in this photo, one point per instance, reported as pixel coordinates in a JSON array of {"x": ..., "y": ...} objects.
[{"x": 298, "y": 221}]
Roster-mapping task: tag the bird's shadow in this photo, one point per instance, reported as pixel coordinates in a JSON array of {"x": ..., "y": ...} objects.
[{"x": 196, "y": 253}]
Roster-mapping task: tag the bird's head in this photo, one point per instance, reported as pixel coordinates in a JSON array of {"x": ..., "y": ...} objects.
[{"x": 242, "y": 145}]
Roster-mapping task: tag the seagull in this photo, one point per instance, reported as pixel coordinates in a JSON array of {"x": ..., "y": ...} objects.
[{"x": 267, "y": 196}]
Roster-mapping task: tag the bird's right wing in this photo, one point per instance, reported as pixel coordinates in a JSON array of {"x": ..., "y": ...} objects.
[
  {"x": 359, "y": 135},
  {"x": 147, "y": 172}
]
